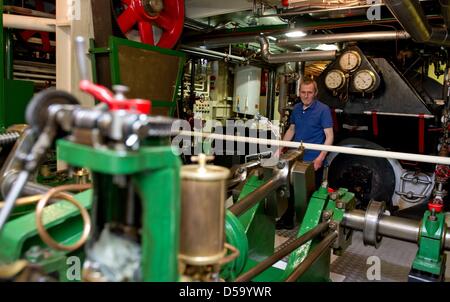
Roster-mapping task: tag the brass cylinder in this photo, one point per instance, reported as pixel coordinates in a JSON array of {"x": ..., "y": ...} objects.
[{"x": 202, "y": 236}]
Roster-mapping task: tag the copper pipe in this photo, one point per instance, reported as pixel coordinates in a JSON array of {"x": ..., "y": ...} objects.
[
  {"x": 234, "y": 254},
  {"x": 25, "y": 200},
  {"x": 58, "y": 191},
  {"x": 266, "y": 263},
  {"x": 312, "y": 257}
]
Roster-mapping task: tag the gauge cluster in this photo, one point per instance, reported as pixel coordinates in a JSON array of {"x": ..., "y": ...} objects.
[{"x": 352, "y": 72}]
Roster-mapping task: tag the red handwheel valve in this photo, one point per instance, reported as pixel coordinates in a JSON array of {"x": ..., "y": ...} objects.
[{"x": 167, "y": 15}]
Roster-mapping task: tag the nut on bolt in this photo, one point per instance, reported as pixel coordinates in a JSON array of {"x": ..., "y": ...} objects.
[
  {"x": 333, "y": 226},
  {"x": 340, "y": 204},
  {"x": 334, "y": 195},
  {"x": 326, "y": 215}
]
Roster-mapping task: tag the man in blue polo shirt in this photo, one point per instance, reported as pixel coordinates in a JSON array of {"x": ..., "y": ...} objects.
[{"x": 311, "y": 122}]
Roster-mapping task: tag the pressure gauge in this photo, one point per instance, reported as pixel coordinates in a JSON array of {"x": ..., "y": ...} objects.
[
  {"x": 364, "y": 80},
  {"x": 350, "y": 60},
  {"x": 334, "y": 79}
]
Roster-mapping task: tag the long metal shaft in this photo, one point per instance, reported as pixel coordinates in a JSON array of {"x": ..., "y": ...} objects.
[
  {"x": 338, "y": 149},
  {"x": 266, "y": 263},
  {"x": 390, "y": 226},
  {"x": 12, "y": 196},
  {"x": 335, "y": 38},
  {"x": 312, "y": 257},
  {"x": 256, "y": 196}
]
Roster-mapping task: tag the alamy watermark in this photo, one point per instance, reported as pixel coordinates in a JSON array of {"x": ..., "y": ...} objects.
[
  {"x": 73, "y": 272},
  {"x": 74, "y": 10},
  {"x": 251, "y": 129},
  {"x": 373, "y": 272},
  {"x": 374, "y": 11}
]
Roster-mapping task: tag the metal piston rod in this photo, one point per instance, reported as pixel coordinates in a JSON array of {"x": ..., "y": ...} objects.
[
  {"x": 323, "y": 246},
  {"x": 389, "y": 226},
  {"x": 255, "y": 271},
  {"x": 256, "y": 196}
]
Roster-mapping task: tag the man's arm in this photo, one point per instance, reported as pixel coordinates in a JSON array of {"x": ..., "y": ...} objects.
[
  {"x": 289, "y": 135},
  {"x": 329, "y": 137}
]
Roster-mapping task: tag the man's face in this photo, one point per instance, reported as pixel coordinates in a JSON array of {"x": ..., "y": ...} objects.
[{"x": 307, "y": 93}]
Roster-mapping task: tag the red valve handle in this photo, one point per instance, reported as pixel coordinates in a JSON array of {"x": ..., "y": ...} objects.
[
  {"x": 104, "y": 95},
  {"x": 437, "y": 206}
]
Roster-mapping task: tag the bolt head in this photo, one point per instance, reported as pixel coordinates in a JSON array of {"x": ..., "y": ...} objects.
[{"x": 333, "y": 226}]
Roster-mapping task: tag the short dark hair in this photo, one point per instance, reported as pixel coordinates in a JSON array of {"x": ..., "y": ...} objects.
[{"x": 309, "y": 81}]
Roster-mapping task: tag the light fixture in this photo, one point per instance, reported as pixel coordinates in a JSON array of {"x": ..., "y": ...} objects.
[
  {"x": 327, "y": 47},
  {"x": 272, "y": 38},
  {"x": 295, "y": 34}
]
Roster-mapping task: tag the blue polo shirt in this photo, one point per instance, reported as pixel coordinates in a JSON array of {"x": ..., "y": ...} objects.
[{"x": 309, "y": 125}]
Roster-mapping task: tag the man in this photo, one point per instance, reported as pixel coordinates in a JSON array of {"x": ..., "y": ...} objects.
[{"x": 311, "y": 122}]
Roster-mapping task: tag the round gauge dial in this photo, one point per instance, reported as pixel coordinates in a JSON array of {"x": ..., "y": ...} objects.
[
  {"x": 350, "y": 60},
  {"x": 364, "y": 80},
  {"x": 334, "y": 79}
]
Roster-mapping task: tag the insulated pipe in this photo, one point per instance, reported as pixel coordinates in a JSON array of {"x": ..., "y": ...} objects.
[
  {"x": 269, "y": 261},
  {"x": 345, "y": 37},
  {"x": 29, "y": 23},
  {"x": 293, "y": 56},
  {"x": 427, "y": 116},
  {"x": 338, "y": 149},
  {"x": 390, "y": 226},
  {"x": 213, "y": 53},
  {"x": 256, "y": 196},
  {"x": 412, "y": 18},
  {"x": 323, "y": 246}
]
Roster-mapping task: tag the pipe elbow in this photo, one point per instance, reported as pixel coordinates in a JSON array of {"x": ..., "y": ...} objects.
[{"x": 264, "y": 45}]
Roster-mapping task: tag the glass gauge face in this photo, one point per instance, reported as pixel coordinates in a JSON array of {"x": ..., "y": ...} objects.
[
  {"x": 334, "y": 79},
  {"x": 350, "y": 60},
  {"x": 364, "y": 80}
]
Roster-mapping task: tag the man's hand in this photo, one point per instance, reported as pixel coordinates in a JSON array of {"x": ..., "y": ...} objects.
[
  {"x": 318, "y": 163},
  {"x": 279, "y": 152}
]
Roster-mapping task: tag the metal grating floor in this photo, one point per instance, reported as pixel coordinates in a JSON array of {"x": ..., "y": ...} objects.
[{"x": 395, "y": 257}]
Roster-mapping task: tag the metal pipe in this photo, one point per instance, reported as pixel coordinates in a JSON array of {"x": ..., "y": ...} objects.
[
  {"x": 413, "y": 20},
  {"x": 12, "y": 196},
  {"x": 346, "y": 37},
  {"x": 211, "y": 52},
  {"x": 282, "y": 99},
  {"x": 427, "y": 116},
  {"x": 338, "y": 149},
  {"x": 390, "y": 226},
  {"x": 445, "y": 9},
  {"x": 29, "y": 23},
  {"x": 269, "y": 261},
  {"x": 312, "y": 257},
  {"x": 447, "y": 241},
  {"x": 293, "y": 56},
  {"x": 294, "y": 12},
  {"x": 256, "y": 196},
  {"x": 224, "y": 41},
  {"x": 271, "y": 94}
]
